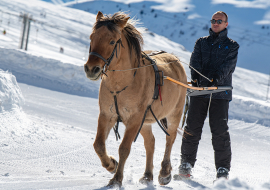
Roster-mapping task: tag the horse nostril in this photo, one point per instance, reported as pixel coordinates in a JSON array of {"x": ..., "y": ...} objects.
[
  {"x": 86, "y": 68},
  {"x": 96, "y": 70}
]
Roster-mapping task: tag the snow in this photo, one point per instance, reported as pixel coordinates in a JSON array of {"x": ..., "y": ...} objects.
[
  {"x": 11, "y": 100},
  {"x": 250, "y": 110},
  {"x": 184, "y": 21},
  {"x": 10, "y": 93},
  {"x": 47, "y": 72},
  {"x": 48, "y": 119}
]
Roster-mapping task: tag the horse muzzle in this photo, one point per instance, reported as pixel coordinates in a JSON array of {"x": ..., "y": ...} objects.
[{"x": 93, "y": 73}]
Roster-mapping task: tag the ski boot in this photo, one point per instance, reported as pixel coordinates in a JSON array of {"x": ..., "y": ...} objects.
[
  {"x": 222, "y": 173},
  {"x": 184, "y": 172}
]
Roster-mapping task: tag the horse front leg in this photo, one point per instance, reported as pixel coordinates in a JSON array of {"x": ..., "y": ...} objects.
[
  {"x": 149, "y": 144},
  {"x": 104, "y": 127},
  {"x": 165, "y": 173},
  {"x": 132, "y": 128}
]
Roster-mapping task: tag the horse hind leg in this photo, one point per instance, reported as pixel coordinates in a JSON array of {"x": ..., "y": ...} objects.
[
  {"x": 165, "y": 172},
  {"x": 149, "y": 144}
]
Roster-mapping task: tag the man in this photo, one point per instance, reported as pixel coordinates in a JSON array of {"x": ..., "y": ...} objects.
[{"x": 215, "y": 57}]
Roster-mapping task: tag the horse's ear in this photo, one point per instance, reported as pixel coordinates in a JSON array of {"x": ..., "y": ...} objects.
[
  {"x": 99, "y": 16},
  {"x": 123, "y": 22}
]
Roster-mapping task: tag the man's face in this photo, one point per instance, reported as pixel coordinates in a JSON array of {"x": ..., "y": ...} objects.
[{"x": 217, "y": 28}]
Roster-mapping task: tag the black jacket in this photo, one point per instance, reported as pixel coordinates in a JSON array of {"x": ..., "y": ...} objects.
[{"x": 215, "y": 57}]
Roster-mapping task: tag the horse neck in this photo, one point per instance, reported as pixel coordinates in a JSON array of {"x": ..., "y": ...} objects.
[{"x": 124, "y": 75}]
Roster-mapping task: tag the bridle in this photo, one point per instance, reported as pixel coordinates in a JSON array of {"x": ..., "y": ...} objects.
[{"x": 107, "y": 61}]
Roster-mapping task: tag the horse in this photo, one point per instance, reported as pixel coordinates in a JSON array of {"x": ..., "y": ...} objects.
[{"x": 126, "y": 93}]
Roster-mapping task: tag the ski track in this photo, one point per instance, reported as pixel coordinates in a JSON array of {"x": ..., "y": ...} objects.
[
  {"x": 38, "y": 161},
  {"x": 61, "y": 155},
  {"x": 55, "y": 147}
]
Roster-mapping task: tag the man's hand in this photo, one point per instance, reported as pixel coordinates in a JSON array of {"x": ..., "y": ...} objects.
[
  {"x": 215, "y": 81},
  {"x": 196, "y": 81}
]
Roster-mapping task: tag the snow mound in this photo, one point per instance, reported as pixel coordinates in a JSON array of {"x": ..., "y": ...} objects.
[
  {"x": 47, "y": 73},
  {"x": 10, "y": 93},
  {"x": 11, "y": 100},
  {"x": 14, "y": 122},
  {"x": 250, "y": 110}
]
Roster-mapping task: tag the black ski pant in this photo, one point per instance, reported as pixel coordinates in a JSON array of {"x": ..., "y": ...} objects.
[{"x": 218, "y": 119}]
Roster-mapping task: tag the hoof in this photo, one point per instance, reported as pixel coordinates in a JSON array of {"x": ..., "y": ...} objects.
[
  {"x": 145, "y": 180},
  {"x": 164, "y": 180},
  {"x": 115, "y": 165},
  {"x": 114, "y": 184}
]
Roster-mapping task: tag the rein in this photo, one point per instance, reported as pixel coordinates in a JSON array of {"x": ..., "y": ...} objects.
[
  {"x": 166, "y": 64},
  {"x": 158, "y": 83}
]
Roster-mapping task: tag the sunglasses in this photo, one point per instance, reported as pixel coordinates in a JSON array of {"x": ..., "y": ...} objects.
[{"x": 213, "y": 21}]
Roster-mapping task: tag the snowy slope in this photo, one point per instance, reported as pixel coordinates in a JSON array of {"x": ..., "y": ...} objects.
[
  {"x": 64, "y": 77},
  {"x": 53, "y": 149},
  {"x": 47, "y": 142},
  {"x": 47, "y": 73},
  {"x": 184, "y": 21}
]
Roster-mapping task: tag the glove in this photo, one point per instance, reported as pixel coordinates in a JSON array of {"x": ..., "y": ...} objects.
[
  {"x": 196, "y": 78},
  {"x": 195, "y": 84},
  {"x": 215, "y": 81}
]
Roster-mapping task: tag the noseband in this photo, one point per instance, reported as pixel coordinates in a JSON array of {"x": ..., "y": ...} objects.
[{"x": 107, "y": 61}]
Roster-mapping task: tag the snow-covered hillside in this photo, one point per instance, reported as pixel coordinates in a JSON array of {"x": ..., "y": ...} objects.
[
  {"x": 46, "y": 143},
  {"x": 184, "y": 21}
]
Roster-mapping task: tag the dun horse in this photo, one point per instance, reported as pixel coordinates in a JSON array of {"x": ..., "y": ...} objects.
[{"x": 126, "y": 93}]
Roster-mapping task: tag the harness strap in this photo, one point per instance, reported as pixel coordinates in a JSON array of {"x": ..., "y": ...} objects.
[
  {"x": 115, "y": 128},
  {"x": 159, "y": 122},
  {"x": 160, "y": 97},
  {"x": 99, "y": 56},
  {"x": 157, "y": 82},
  {"x": 117, "y": 92},
  {"x": 117, "y": 135},
  {"x": 108, "y": 61},
  {"x": 142, "y": 122},
  {"x": 157, "y": 92},
  {"x": 156, "y": 52},
  {"x": 157, "y": 76},
  {"x": 150, "y": 108}
]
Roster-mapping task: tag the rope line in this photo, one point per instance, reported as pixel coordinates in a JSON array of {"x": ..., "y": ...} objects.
[{"x": 164, "y": 64}]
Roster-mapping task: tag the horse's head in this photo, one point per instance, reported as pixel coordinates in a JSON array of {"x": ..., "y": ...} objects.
[{"x": 105, "y": 43}]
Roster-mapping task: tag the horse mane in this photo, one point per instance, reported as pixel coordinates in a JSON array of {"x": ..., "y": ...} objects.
[{"x": 133, "y": 35}]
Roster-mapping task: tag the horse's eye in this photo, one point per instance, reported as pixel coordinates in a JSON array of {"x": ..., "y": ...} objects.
[{"x": 112, "y": 42}]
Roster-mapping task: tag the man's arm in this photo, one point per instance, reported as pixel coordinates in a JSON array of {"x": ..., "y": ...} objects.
[
  {"x": 195, "y": 60},
  {"x": 229, "y": 64}
]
